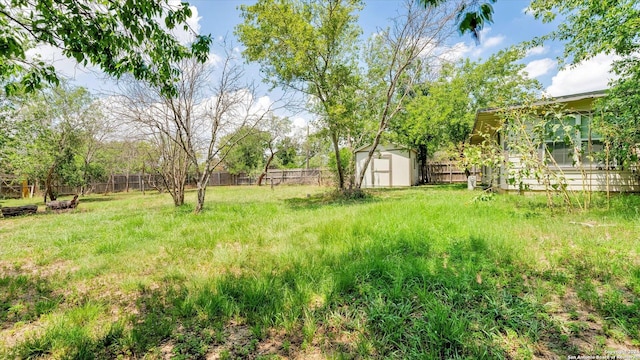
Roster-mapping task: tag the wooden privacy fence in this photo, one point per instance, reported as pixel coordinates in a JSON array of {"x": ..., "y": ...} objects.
[
  {"x": 145, "y": 182},
  {"x": 448, "y": 173},
  {"x": 438, "y": 173},
  {"x": 275, "y": 177},
  {"x": 10, "y": 186},
  {"x": 116, "y": 183}
]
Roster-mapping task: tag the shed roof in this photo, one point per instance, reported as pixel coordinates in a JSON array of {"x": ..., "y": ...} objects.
[{"x": 386, "y": 146}]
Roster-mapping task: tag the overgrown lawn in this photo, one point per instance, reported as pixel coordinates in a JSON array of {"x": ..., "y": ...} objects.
[{"x": 427, "y": 272}]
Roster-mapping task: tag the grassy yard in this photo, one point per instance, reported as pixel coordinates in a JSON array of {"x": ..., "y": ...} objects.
[{"x": 288, "y": 273}]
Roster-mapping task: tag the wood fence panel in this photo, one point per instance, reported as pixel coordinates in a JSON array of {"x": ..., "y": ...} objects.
[
  {"x": 448, "y": 173},
  {"x": 10, "y": 186},
  {"x": 150, "y": 182}
]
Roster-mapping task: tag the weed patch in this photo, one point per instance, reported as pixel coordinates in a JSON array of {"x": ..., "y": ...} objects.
[{"x": 296, "y": 272}]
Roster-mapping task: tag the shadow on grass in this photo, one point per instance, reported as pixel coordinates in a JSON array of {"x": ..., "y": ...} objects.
[
  {"x": 330, "y": 198},
  {"x": 24, "y": 298},
  {"x": 93, "y": 199},
  {"x": 397, "y": 299}
]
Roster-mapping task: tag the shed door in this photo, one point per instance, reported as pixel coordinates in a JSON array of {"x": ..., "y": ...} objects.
[{"x": 381, "y": 171}]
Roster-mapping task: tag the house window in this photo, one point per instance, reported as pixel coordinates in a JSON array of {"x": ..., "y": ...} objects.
[
  {"x": 568, "y": 141},
  {"x": 561, "y": 153},
  {"x": 594, "y": 154}
]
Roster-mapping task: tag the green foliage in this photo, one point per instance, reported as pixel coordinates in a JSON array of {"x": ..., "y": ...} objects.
[
  {"x": 287, "y": 154},
  {"x": 119, "y": 37},
  {"x": 617, "y": 116},
  {"x": 442, "y": 113},
  {"x": 281, "y": 267},
  {"x": 592, "y": 27},
  {"x": 49, "y": 132},
  {"x": 308, "y": 46},
  {"x": 472, "y": 15},
  {"x": 248, "y": 154},
  {"x": 345, "y": 159}
]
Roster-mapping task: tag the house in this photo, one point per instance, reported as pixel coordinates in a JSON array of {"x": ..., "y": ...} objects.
[
  {"x": 578, "y": 164},
  {"x": 391, "y": 166}
]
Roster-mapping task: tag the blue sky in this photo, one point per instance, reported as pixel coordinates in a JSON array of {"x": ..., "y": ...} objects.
[{"x": 511, "y": 26}]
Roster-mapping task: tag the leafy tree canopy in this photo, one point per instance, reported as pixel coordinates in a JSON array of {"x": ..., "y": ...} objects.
[
  {"x": 249, "y": 153},
  {"x": 309, "y": 46},
  {"x": 592, "y": 27},
  {"x": 473, "y": 15},
  {"x": 118, "y": 36},
  {"x": 442, "y": 114}
]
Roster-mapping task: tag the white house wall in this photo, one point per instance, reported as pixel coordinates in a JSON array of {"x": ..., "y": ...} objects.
[{"x": 577, "y": 180}]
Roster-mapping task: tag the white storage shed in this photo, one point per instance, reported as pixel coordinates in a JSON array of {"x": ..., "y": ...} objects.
[{"x": 391, "y": 166}]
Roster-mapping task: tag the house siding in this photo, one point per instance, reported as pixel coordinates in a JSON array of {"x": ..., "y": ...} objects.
[{"x": 576, "y": 179}]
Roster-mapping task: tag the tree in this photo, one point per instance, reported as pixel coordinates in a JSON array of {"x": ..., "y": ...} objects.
[
  {"x": 442, "y": 112},
  {"x": 472, "y": 15},
  {"x": 287, "y": 154},
  {"x": 274, "y": 130},
  {"x": 120, "y": 37},
  {"x": 51, "y": 129},
  {"x": 397, "y": 59},
  {"x": 190, "y": 126},
  {"x": 248, "y": 156},
  {"x": 151, "y": 119},
  {"x": 308, "y": 46}
]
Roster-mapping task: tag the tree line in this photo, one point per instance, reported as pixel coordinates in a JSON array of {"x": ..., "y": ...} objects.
[{"x": 176, "y": 112}]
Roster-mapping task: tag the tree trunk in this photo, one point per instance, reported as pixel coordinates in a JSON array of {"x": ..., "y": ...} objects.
[
  {"x": 203, "y": 180},
  {"x": 19, "y": 210},
  {"x": 374, "y": 146},
  {"x": 423, "y": 157},
  {"x": 48, "y": 189},
  {"x": 336, "y": 149},
  {"x": 202, "y": 192},
  {"x": 266, "y": 168}
]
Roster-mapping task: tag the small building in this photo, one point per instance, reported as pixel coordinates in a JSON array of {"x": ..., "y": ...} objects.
[
  {"x": 390, "y": 166},
  {"x": 579, "y": 163}
]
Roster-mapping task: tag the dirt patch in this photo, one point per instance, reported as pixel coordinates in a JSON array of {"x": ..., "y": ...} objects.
[
  {"x": 237, "y": 338},
  {"x": 581, "y": 330},
  {"x": 240, "y": 342},
  {"x": 32, "y": 269},
  {"x": 12, "y": 336},
  {"x": 166, "y": 350}
]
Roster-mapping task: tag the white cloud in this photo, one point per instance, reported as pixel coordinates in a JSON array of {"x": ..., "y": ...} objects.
[
  {"x": 299, "y": 122},
  {"x": 457, "y": 51},
  {"x": 538, "y": 50},
  {"x": 214, "y": 59},
  {"x": 64, "y": 66},
  {"x": 186, "y": 36},
  {"x": 590, "y": 75},
  {"x": 492, "y": 41},
  {"x": 539, "y": 67},
  {"x": 487, "y": 44}
]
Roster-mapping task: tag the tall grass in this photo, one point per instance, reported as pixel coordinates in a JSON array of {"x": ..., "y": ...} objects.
[{"x": 415, "y": 273}]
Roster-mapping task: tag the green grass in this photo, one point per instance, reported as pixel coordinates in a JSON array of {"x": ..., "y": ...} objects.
[{"x": 428, "y": 272}]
